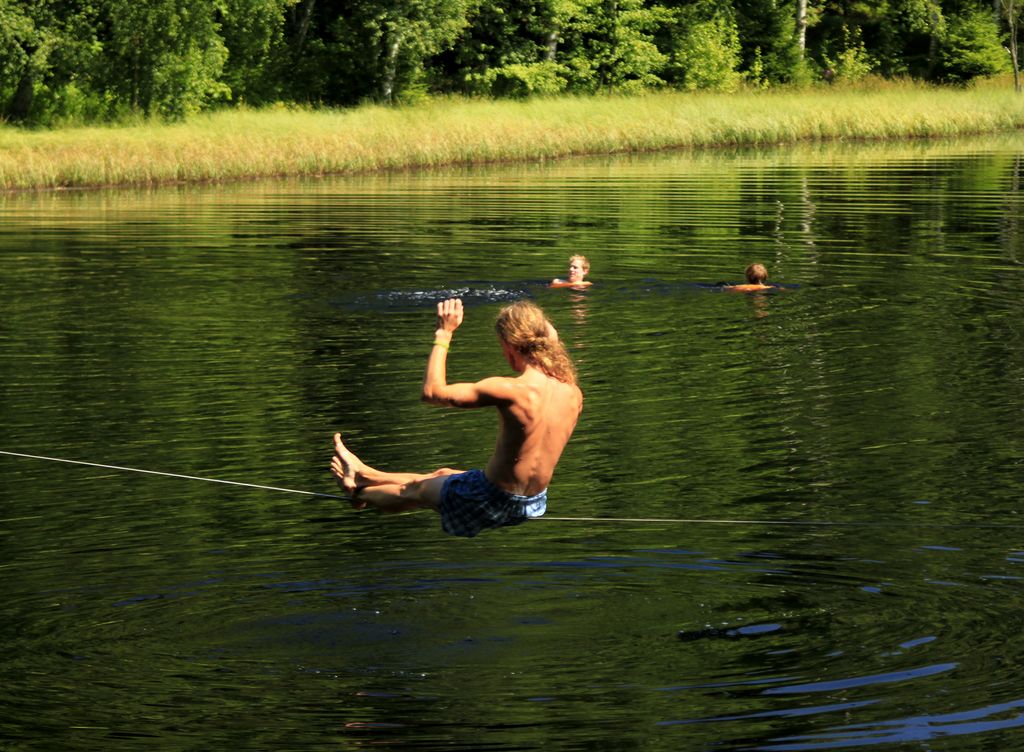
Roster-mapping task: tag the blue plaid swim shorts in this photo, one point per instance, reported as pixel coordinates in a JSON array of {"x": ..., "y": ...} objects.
[{"x": 470, "y": 503}]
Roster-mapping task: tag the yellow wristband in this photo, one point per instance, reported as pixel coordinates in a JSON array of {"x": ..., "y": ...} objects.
[{"x": 439, "y": 343}]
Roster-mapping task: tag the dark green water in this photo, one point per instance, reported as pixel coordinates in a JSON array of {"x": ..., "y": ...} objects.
[{"x": 225, "y": 332}]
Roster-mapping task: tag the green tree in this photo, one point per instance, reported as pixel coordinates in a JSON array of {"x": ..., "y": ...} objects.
[
  {"x": 971, "y": 48},
  {"x": 513, "y": 49},
  {"x": 506, "y": 49},
  {"x": 45, "y": 48},
  {"x": 899, "y": 37},
  {"x": 546, "y": 46},
  {"x": 383, "y": 46},
  {"x": 23, "y": 57},
  {"x": 165, "y": 57},
  {"x": 924, "y": 17},
  {"x": 768, "y": 37},
  {"x": 704, "y": 48},
  {"x": 851, "y": 62},
  {"x": 1010, "y": 12},
  {"x": 253, "y": 32},
  {"x": 610, "y": 45}
]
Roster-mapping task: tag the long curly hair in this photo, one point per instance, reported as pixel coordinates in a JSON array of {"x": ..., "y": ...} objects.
[{"x": 524, "y": 327}]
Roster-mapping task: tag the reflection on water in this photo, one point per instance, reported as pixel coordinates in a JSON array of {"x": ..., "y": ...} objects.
[{"x": 818, "y": 486}]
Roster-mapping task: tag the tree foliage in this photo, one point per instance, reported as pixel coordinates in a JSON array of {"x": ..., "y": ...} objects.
[
  {"x": 971, "y": 48},
  {"x": 851, "y": 62},
  {"x": 90, "y": 60},
  {"x": 704, "y": 49}
]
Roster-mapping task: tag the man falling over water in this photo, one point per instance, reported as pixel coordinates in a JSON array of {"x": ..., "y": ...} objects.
[{"x": 537, "y": 412}]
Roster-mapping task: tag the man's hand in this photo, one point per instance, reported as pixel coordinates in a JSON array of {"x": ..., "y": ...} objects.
[{"x": 449, "y": 315}]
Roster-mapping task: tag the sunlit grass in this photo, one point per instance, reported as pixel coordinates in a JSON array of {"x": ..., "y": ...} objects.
[{"x": 281, "y": 141}]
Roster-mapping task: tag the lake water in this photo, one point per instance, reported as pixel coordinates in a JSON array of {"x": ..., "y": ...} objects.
[{"x": 818, "y": 541}]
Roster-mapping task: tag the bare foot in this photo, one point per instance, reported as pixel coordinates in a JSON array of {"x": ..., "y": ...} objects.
[
  {"x": 345, "y": 466},
  {"x": 351, "y": 489}
]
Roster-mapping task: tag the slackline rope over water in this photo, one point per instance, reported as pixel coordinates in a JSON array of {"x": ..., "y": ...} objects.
[
  {"x": 170, "y": 475},
  {"x": 804, "y": 523}
]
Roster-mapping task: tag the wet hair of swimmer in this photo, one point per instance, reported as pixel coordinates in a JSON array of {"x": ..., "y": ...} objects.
[
  {"x": 757, "y": 274},
  {"x": 583, "y": 262}
]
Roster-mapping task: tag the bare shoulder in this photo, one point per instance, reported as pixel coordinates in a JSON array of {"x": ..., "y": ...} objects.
[
  {"x": 566, "y": 283},
  {"x": 577, "y": 395},
  {"x": 534, "y": 382},
  {"x": 499, "y": 387},
  {"x": 568, "y": 403},
  {"x": 569, "y": 393}
]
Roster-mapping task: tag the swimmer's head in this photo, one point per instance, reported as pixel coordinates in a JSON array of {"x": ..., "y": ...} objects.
[
  {"x": 757, "y": 274},
  {"x": 578, "y": 268},
  {"x": 526, "y": 332}
]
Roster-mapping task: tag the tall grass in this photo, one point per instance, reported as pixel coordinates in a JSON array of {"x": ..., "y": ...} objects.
[{"x": 278, "y": 141}]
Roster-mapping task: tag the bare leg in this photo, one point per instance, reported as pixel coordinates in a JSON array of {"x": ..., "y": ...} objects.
[
  {"x": 360, "y": 474},
  {"x": 389, "y": 492},
  {"x": 390, "y": 497}
]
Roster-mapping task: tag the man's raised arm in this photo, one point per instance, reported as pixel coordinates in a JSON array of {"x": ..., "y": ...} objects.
[{"x": 436, "y": 389}]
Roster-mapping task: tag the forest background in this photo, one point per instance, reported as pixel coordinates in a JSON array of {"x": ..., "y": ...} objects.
[{"x": 68, "y": 62}]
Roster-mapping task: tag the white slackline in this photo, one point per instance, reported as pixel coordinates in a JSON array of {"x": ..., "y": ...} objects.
[
  {"x": 662, "y": 520},
  {"x": 170, "y": 475}
]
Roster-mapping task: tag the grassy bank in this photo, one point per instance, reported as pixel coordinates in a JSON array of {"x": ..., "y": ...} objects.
[{"x": 242, "y": 144}]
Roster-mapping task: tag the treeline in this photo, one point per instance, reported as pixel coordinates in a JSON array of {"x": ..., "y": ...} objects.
[{"x": 100, "y": 60}]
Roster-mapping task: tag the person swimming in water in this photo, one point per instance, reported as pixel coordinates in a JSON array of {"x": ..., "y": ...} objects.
[
  {"x": 537, "y": 413},
  {"x": 579, "y": 267},
  {"x": 757, "y": 278}
]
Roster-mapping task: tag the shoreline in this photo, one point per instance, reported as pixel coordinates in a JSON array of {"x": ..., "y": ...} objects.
[
  {"x": 276, "y": 143},
  {"x": 412, "y": 168}
]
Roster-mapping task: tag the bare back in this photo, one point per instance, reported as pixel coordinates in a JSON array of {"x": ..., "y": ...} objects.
[{"x": 537, "y": 415}]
